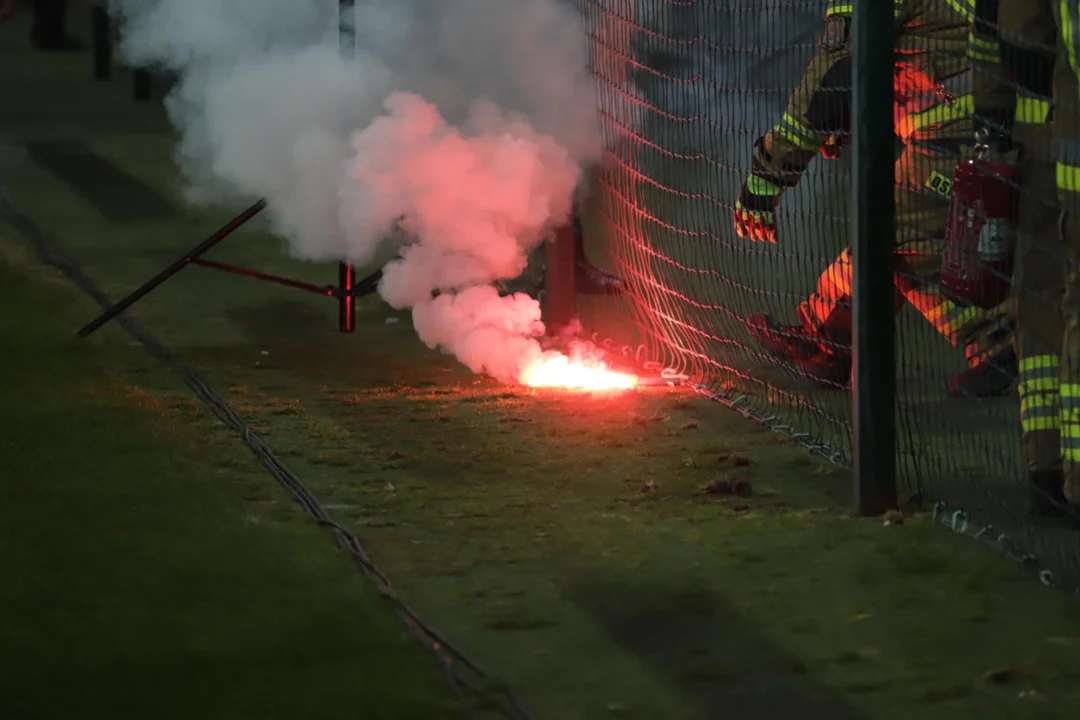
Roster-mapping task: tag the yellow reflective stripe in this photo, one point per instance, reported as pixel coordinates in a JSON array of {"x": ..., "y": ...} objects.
[
  {"x": 1037, "y": 400},
  {"x": 797, "y": 134},
  {"x": 1068, "y": 177},
  {"x": 982, "y": 43},
  {"x": 1032, "y": 110},
  {"x": 966, "y": 8},
  {"x": 961, "y": 107},
  {"x": 758, "y": 185},
  {"x": 1067, "y": 32},
  {"x": 844, "y": 7},
  {"x": 1040, "y": 399},
  {"x": 1038, "y": 385},
  {"x": 1070, "y": 421},
  {"x": 1039, "y": 362},
  {"x": 1040, "y": 412},
  {"x": 793, "y": 138},
  {"x": 1041, "y": 425},
  {"x": 950, "y": 319},
  {"x": 988, "y": 51}
]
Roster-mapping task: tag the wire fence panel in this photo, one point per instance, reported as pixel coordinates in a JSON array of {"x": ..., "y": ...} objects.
[
  {"x": 715, "y": 109},
  {"x": 686, "y": 89}
]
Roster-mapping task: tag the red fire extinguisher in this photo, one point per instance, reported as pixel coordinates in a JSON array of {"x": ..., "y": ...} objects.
[{"x": 980, "y": 239}]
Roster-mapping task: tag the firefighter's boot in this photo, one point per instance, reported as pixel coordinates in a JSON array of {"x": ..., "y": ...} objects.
[
  {"x": 795, "y": 345},
  {"x": 993, "y": 377},
  {"x": 589, "y": 279},
  {"x": 1047, "y": 494}
]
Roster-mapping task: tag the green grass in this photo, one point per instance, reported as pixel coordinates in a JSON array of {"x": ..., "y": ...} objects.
[
  {"x": 139, "y": 581},
  {"x": 571, "y": 541}
]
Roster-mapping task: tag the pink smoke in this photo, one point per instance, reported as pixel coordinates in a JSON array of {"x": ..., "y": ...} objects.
[{"x": 474, "y": 202}]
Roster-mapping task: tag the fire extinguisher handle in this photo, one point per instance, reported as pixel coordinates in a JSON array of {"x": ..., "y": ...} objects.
[{"x": 991, "y": 139}]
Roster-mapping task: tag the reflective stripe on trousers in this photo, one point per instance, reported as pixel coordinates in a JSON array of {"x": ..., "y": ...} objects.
[
  {"x": 1032, "y": 110},
  {"x": 847, "y": 7},
  {"x": 1040, "y": 404},
  {"x": 1068, "y": 151},
  {"x": 1070, "y": 422}
]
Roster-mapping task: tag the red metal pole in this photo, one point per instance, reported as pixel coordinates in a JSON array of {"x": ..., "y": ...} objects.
[{"x": 346, "y": 299}]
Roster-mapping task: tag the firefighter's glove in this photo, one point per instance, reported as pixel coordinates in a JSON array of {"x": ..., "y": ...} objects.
[
  {"x": 833, "y": 147},
  {"x": 753, "y": 217},
  {"x": 993, "y": 128}
]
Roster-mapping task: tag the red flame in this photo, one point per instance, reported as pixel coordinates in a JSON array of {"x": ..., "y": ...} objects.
[{"x": 560, "y": 371}]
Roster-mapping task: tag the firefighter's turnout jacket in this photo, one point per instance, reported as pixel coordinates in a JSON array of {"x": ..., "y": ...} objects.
[
  {"x": 1026, "y": 78},
  {"x": 932, "y": 82}
]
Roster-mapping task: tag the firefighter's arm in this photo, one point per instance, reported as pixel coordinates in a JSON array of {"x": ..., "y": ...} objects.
[
  {"x": 1013, "y": 48},
  {"x": 993, "y": 94},
  {"x": 818, "y": 112},
  {"x": 1029, "y": 41}
]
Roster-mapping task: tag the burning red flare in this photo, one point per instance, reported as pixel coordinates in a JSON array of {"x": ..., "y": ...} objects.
[{"x": 560, "y": 371}]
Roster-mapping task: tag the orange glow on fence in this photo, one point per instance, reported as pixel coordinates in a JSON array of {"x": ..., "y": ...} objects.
[{"x": 560, "y": 371}]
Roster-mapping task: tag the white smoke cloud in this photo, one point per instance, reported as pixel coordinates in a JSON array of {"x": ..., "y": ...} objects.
[{"x": 465, "y": 122}]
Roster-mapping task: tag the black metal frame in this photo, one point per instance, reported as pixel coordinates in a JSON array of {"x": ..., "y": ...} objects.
[{"x": 346, "y": 291}]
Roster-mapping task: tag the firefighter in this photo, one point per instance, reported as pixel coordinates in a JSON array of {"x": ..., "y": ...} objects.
[
  {"x": 933, "y": 122},
  {"x": 1020, "y": 66}
]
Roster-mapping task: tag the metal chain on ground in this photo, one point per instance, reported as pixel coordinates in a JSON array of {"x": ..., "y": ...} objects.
[
  {"x": 957, "y": 520},
  {"x": 739, "y": 402},
  {"x": 482, "y": 688}
]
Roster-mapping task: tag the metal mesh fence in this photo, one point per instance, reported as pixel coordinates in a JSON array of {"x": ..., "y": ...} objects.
[{"x": 687, "y": 88}]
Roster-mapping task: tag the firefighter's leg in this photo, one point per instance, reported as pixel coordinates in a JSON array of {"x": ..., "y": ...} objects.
[
  {"x": 826, "y": 314},
  {"x": 923, "y": 183},
  {"x": 1067, "y": 141},
  {"x": 1069, "y": 370},
  {"x": 1038, "y": 284},
  {"x": 820, "y": 345}
]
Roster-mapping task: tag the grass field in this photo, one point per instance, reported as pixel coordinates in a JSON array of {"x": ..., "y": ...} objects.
[
  {"x": 647, "y": 555},
  {"x": 573, "y": 542},
  {"x": 137, "y": 582}
]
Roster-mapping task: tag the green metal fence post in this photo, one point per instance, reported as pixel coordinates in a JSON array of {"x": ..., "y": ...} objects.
[{"x": 874, "y": 377}]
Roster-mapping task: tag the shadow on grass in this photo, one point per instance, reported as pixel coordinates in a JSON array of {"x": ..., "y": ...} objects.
[{"x": 687, "y": 635}]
